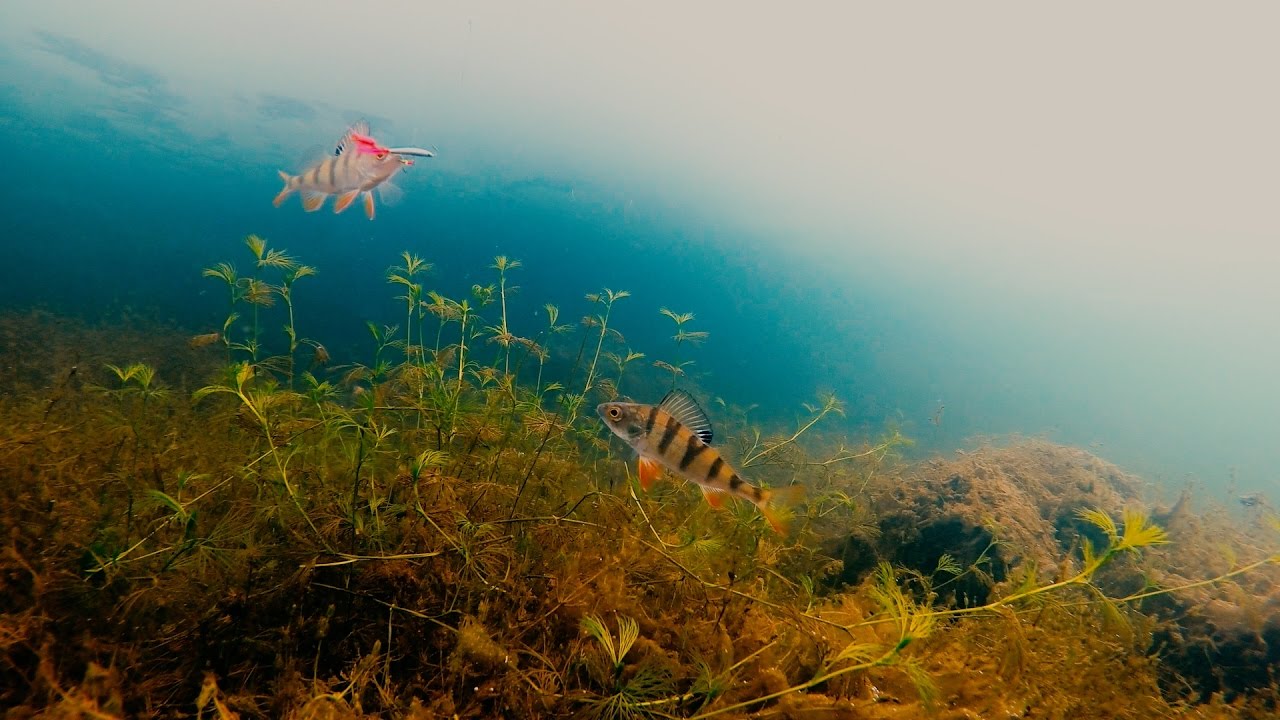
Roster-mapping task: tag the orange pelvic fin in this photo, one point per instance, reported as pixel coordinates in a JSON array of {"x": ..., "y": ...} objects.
[
  {"x": 344, "y": 201},
  {"x": 648, "y": 470},
  {"x": 287, "y": 191},
  {"x": 368, "y": 204},
  {"x": 312, "y": 200},
  {"x": 715, "y": 498}
]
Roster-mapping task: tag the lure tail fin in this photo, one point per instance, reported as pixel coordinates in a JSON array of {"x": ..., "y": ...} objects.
[
  {"x": 289, "y": 187},
  {"x": 775, "y": 505}
]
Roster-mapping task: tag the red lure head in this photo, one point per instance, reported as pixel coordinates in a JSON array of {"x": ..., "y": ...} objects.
[{"x": 367, "y": 145}]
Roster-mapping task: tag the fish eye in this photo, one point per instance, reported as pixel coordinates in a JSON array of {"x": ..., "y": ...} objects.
[
  {"x": 382, "y": 156},
  {"x": 615, "y": 413}
]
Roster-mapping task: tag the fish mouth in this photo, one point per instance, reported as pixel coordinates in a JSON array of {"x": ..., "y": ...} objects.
[{"x": 415, "y": 151}]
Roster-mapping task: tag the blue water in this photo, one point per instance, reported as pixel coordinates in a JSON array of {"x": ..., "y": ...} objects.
[{"x": 123, "y": 184}]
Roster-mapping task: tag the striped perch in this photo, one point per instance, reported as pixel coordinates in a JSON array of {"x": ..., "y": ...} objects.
[
  {"x": 675, "y": 434},
  {"x": 358, "y": 165}
]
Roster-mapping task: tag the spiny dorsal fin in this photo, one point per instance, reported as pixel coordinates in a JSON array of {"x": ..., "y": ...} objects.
[
  {"x": 359, "y": 127},
  {"x": 681, "y": 406}
]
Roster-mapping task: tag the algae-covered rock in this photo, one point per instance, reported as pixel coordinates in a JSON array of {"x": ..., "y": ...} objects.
[
  {"x": 1006, "y": 505},
  {"x": 1011, "y": 508}
]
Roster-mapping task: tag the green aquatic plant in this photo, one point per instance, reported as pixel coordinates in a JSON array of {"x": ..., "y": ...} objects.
[
  {"x": 621, "y": 361},
  {"x": 257, "y": 292},
  {"x": 621, "y": 696},
  {"x": 292, "y": 273},
  {"x": 913, "y": 621},
  {"x": 501, "y": 333},
  {"x": 605, "y": 299},
  {"x": 226, "y": 272},
  {"x": 614, "y": 652},
  {"x": 259, "y": 401},
  {"x": 384, "y": 336},
  {"x": 553, "y": 328},
  {"x": 137, "y": 379},
  {"x": 259, "y": 295},
  {"x": 682, "y": 336},
  {"x": 437, "y": 499},
  {"x": 445, "y": 310},
  {"x": 760, "y": 449},
  {"x": 404, "y": 275}
]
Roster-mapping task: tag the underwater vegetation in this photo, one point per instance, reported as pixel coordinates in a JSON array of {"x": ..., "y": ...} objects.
[{"x": 232, "y": 525}]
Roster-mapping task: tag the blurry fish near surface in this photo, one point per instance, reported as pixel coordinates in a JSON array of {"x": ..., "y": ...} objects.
[
  {"x": 1255, "y": 499},
  {"x": 675, "y": 434},
  {"x": 358, "y": 165}
]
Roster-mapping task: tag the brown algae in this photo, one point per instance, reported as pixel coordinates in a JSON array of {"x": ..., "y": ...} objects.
[{"x": 236, "y": 528}]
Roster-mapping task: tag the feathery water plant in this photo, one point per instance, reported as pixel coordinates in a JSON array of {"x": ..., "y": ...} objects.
[
  {"x": 257, "y": 292},
  {"x": 623, "y": 698},
  {"x": 553, "y": 328},
  {"x": 761, "y": 449},
  {"x": 260, "y": 294},
  {"x": 258, "y": 402},
  {"x": 486, "y": 587},
  {"x": 383, "y": 337},
  {"x": 226, "y": 272},
  {"x": 501, "y": 332},
  {"x": 292, "y": 273},
  {"x": 605, "y": 299},
  {"x": 137, "y": 378},
  {"x": 913, "y": 621},
  {"x": 404, "y": 275},
  {"x": 444, "y": 309},
  {"x": 682, "y": 336},
  {"x": 622, "y": 361}
]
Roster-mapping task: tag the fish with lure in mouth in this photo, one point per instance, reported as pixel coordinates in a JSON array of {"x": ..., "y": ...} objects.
[
  {"x": 675, "y": 434},
  {"x": 358, "y": 165}
]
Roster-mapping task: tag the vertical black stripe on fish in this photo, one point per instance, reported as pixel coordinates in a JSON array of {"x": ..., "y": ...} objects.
[
  {"x": 735, "y": 482},
  {"x": 333, "y": 166},
  {"x": 653, "y": 417},
  {"x": 668, "y": 434},
  {"x": 715, "y": 468},
  {"x": 692, "y": 449},
  {"x": 313, "y": 175},
  {"x": 344, "y": 161}
]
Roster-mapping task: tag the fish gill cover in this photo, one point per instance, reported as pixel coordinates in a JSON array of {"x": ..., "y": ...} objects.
[{"x": 256, "y": 462}]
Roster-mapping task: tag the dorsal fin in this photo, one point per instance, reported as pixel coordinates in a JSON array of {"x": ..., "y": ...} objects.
[
  {"x": 681, "y": 406},
  {"x": 359, "y": 127}
]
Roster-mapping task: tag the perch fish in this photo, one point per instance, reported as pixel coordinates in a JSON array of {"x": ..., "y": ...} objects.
[
  {"x": 358, "y": 165},
  {"x": 675, "y": 434}
]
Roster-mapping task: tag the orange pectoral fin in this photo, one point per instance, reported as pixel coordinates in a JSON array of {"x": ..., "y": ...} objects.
[
  {"x": 715, "y": 498},
  {"x": 368, "y": 204},
  {"x": 648, "y": 471},
  {"x": 344, "y": 201}
]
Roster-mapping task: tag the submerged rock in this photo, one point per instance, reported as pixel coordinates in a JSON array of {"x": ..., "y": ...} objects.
[
  {"x": 1025, "y": 496},
  {"x": 1007, "y": 508}
]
